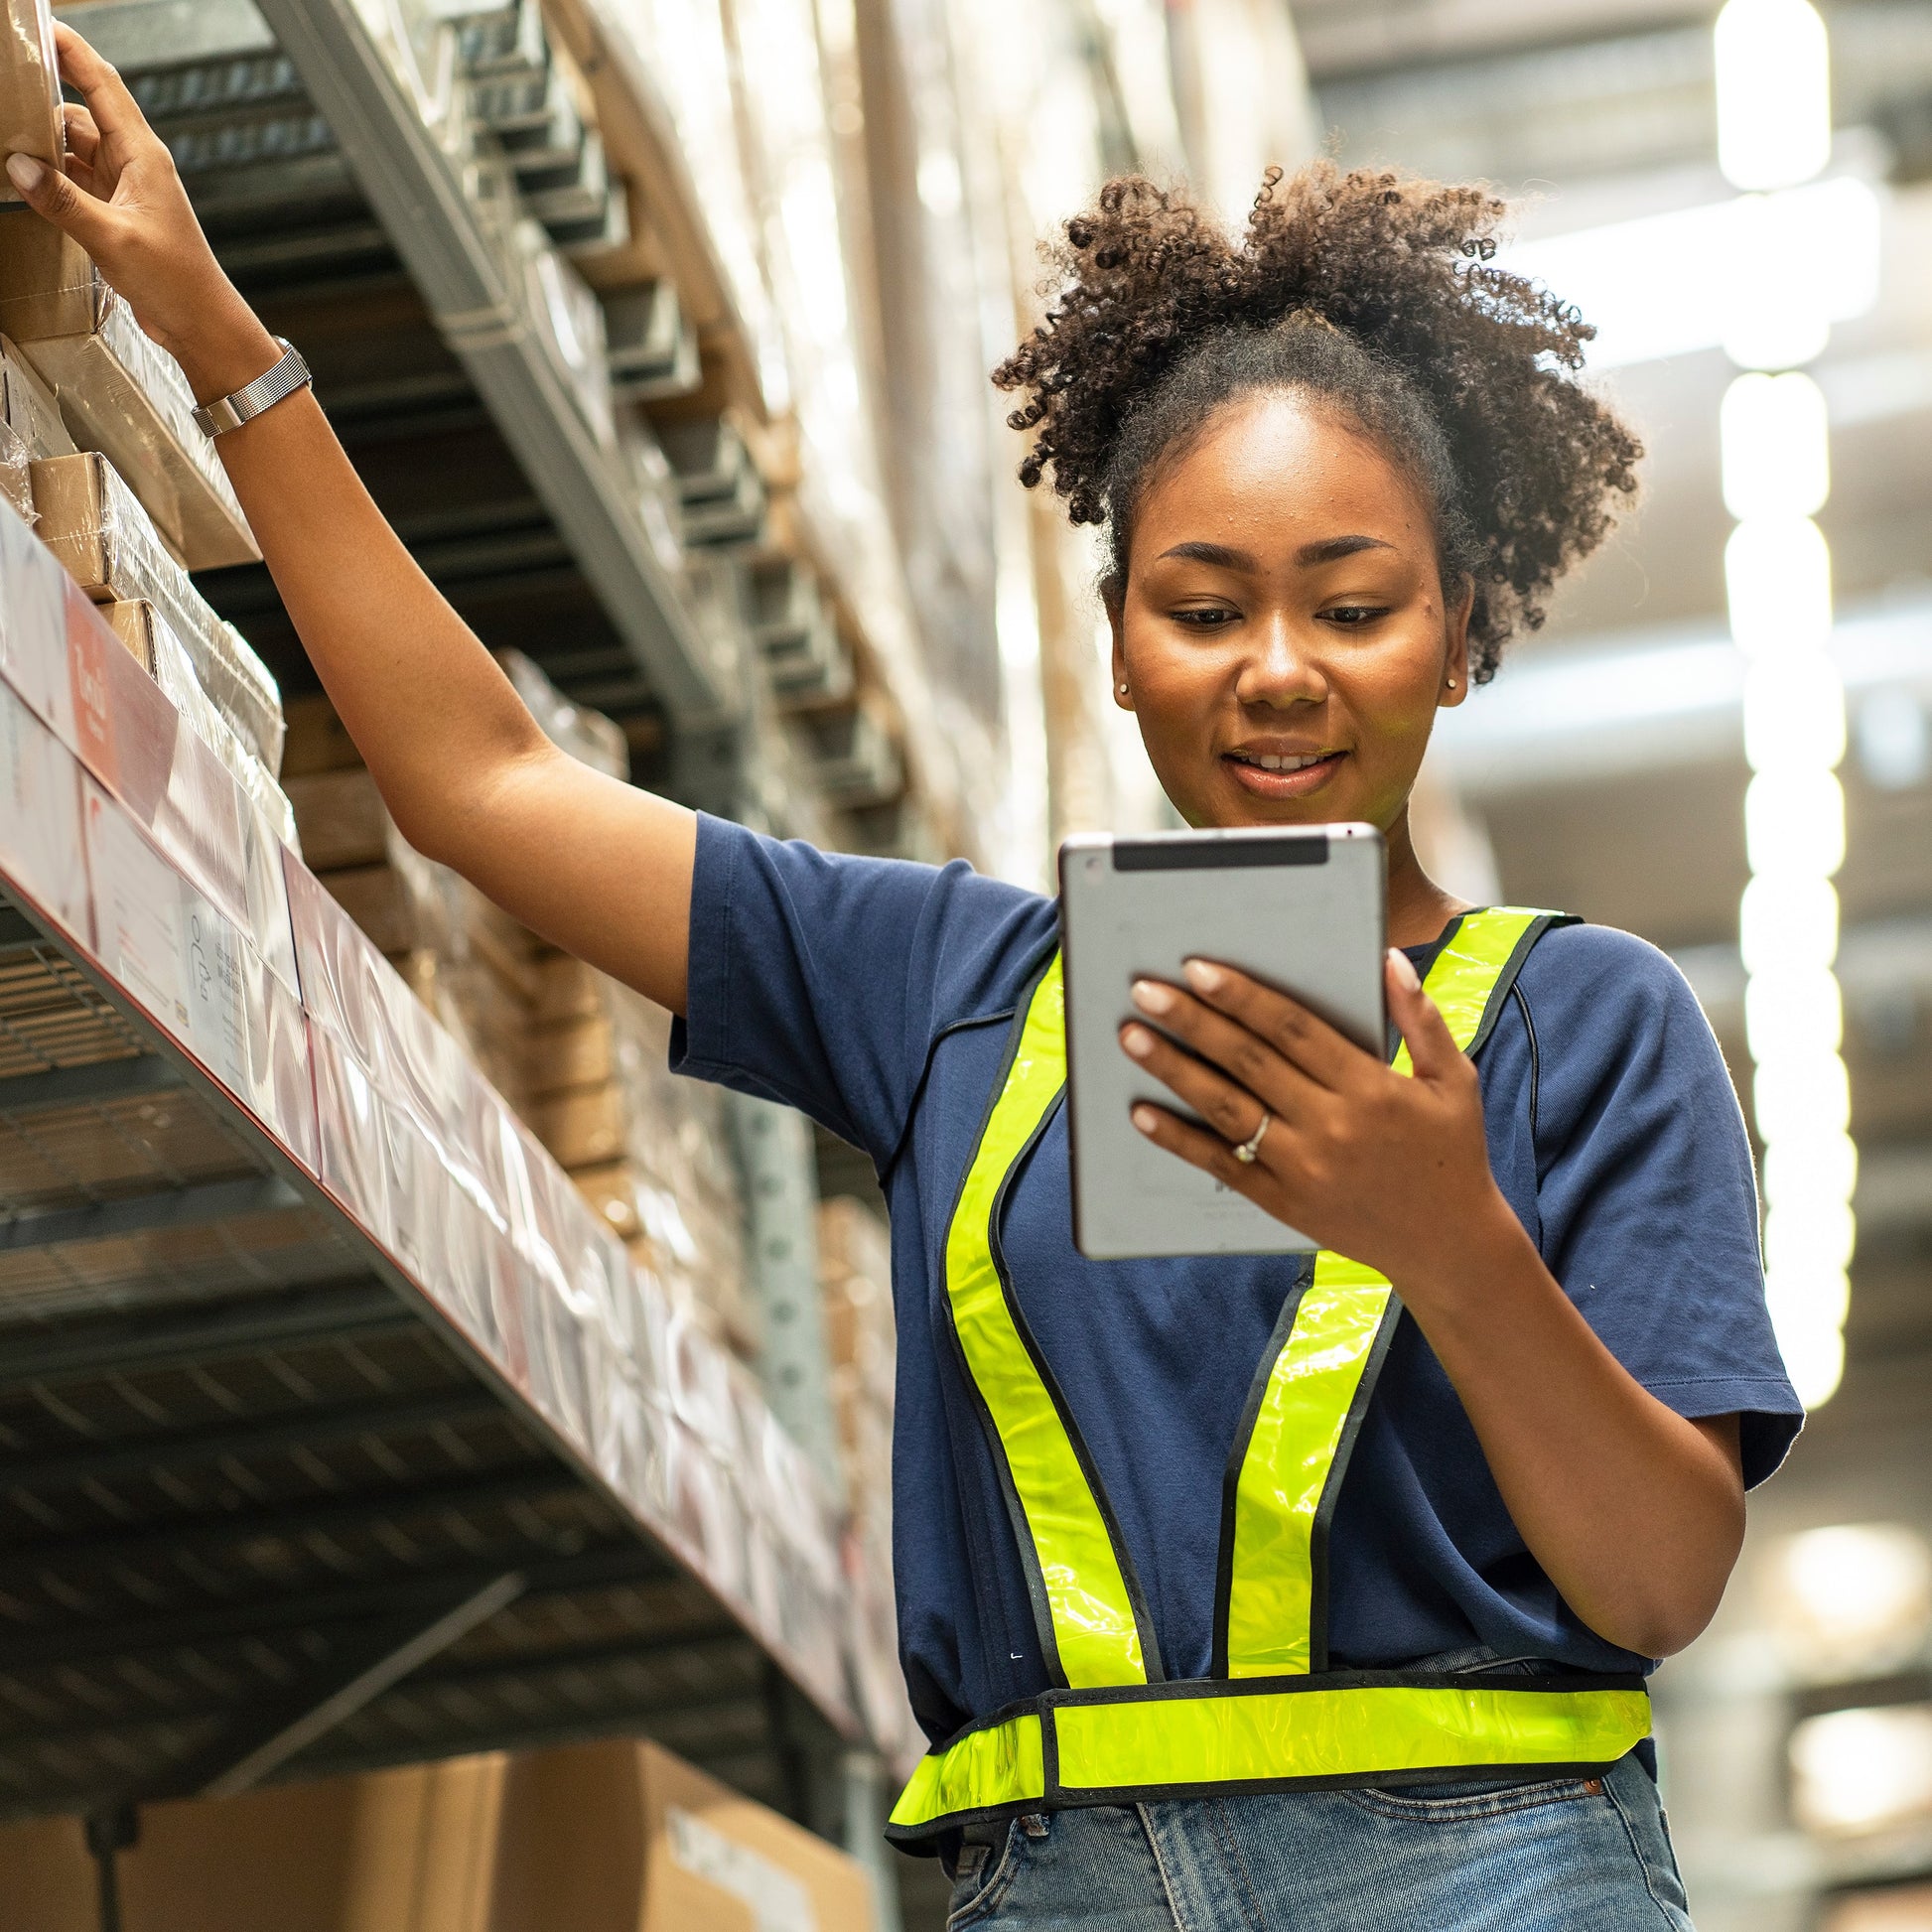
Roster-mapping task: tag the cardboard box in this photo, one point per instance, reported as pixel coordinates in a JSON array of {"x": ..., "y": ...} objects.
[
  {"x": 152, "y": 643},
  {"x": 572, "y": 1053},
  {"x": 567, "y": 988},
  {"x": 405, "y": 1851},
  {"x": 29, "y": 406},
  {"x": 91, "y": 520},
  {"x": 30, "y": 87},
  {"x": 623, "y": 1837},
  {"x": 385, "y": 903},
  {"x": 343, "y": 818},
  {"x": 615, "y": 1837},
  {"x": 318, "y": 740},
  {"x": 583, "y": 1127},
  {"x": 30, "y": 428},
  {"x": 119, "y": 392}
]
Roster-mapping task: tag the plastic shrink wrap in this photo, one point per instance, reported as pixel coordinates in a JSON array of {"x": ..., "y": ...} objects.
[
  {"x": 31, "y": 121},
  {"x": 30, "y": 428},
  {"x": 422, "y": 1150},
  {"x": 119, "y": 393},
  {"x": 94, "y": 524},
  {"x": 152, "y": 642}
]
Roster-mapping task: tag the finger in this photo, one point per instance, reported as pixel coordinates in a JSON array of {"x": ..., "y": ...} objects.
[
  {"x": 115, "y": 112},
  {"x": 46, "y": 191},
  {"x": 1200, "y": 1149},
  {"x": 1433, "y": 1050},
  {"x": 1244, "y": 1056},
  {"x": 84, "y": 137},
  {"x": 1285, "y": 1025},
  {"x": 1227, "y": 1107}
]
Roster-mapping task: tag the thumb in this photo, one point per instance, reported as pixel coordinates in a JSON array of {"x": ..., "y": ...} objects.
[
  {"x": 46, "y": 191},
  {"x": 1431, "y": 1046}
]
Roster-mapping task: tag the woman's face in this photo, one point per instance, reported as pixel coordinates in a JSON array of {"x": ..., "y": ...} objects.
[{"x": 1282, "y": 633}]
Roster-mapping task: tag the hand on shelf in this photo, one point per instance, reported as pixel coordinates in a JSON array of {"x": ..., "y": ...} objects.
[{"x": 123, "y": 201}]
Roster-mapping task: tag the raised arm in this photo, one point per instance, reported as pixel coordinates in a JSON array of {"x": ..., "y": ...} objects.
[{"x": 597, "y": 867}]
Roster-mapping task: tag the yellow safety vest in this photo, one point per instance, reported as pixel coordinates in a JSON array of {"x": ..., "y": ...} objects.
[{"x": 1272, "y": 1715}]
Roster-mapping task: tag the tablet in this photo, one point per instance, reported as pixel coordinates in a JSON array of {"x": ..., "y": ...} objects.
[{"x": 1302, "y": 908}]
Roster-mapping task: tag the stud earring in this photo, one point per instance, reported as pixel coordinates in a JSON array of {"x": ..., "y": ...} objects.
[
  {"x": 1123, "y": 690},
  {"x": 1451, "y": 684}
]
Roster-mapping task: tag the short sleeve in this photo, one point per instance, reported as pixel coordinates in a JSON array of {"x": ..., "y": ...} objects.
[
  {"x": 820, "y": 979},
  {"x": 1646, "y": 1192}
]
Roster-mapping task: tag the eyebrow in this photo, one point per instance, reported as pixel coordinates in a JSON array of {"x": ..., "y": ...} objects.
[{"x": 1220, "y": 556}]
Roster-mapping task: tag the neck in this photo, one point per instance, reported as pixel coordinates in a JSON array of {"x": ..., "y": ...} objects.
[{"x": 1418, "y": 909}]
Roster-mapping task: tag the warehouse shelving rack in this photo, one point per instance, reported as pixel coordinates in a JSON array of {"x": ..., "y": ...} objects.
[{"x": 265, "y": 1509}]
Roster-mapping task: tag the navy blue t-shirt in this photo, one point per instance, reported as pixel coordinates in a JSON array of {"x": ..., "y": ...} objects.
[{"x": 876, "y": 996}]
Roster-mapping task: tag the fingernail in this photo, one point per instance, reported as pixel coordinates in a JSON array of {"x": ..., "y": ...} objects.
[
  {"x": 1200, "y": 975},
  {"x": 23, "y": 172},
  {"x": 1136, "y": 1041},
  {"x": 1152, "y": 996},
  {"x": 1145, "y": 1119},
  {"x": 1404, "y": 970}
]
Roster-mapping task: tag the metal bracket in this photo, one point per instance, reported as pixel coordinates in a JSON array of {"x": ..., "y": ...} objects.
[{"x": 254, "y": 1750}]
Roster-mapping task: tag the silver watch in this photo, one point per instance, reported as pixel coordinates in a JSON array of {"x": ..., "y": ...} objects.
[{"x": 284, "y": 379}]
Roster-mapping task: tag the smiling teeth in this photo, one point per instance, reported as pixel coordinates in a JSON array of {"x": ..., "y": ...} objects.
[{"x": 1268, "y": 762}]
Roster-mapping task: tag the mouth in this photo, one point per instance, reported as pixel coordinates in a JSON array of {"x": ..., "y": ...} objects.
[{"x": 1283, "y": 775}]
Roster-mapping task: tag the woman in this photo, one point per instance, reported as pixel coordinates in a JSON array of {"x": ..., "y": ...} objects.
[{"x": 1336, "y": 466}]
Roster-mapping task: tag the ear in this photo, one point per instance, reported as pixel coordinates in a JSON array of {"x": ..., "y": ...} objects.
[
  {"x": 1118, "y": 657},
  {"x": 1455, "y": 641}
]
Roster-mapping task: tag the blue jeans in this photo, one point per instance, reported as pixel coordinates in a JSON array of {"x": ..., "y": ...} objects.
[{"x": 1571, "y": 1854}]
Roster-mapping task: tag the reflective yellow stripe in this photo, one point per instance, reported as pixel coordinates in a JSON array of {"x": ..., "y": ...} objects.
[
  {"x": 1092, "y": 1612},
  {"x": 1359, "y": 1731},
  {"x": 1001, "y": 1766},
  {"x": 1173, "y": 1744},
  {"x": 1286, "y": 1468},
  {"x": 1313, "y": 1381},
  {"x": 1466, "y": 971}
]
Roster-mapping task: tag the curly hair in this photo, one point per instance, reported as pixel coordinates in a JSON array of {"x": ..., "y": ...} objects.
[{"x": 1372, "y": 290}]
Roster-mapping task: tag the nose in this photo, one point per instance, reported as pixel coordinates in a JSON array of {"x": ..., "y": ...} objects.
[{"x": 1281, "y": 667}]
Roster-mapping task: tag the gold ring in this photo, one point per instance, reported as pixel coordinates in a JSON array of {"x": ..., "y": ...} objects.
[{"x": 1250, "y": 1150}]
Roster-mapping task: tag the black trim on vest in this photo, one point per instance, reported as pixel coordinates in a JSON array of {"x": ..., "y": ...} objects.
[
  {"x": 1032, "y": 977},
  {"x": 1143, "y": 1620},
  {"x": 917, "y": 1837},
  {"x": 1536, "y": 1072},
  {"x": 1505, "y": 985},
  {"x": 1324, "y": 1510},
  {"x": 1016, "y": 1512},
  {"x": 1238, "y": 1456},
  {"x": 1506, "y": 979}
]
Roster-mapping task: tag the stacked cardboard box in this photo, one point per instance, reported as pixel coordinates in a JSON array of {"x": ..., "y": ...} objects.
[
  {"x": 119, "y": 393},
  {"x": 470, "y": 964},
  {"x": 99, "y": 451},
  {"x": 30, "y": 428},
  {"x": 581, "y": 1058},
  {"x": 618, "y": 1837},
  {"x": 650, "y": 1152}
]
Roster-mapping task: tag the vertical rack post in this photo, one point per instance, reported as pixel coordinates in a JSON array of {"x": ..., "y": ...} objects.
[{"x": 774, "y": 1150}]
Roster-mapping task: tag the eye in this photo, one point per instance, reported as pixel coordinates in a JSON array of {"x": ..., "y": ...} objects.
[
  {"x": 1351, "y": 616},
  {"x": 1204, "y": 616}
]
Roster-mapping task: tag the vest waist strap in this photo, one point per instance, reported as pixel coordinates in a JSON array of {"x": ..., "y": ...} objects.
[{"x": 1120, "y": 1745}]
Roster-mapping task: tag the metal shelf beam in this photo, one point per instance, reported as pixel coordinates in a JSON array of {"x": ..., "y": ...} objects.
[{"x": 442, "y": 239}]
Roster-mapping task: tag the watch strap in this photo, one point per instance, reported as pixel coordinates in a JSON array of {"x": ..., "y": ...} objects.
[{"x": 229, "y": 412}]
